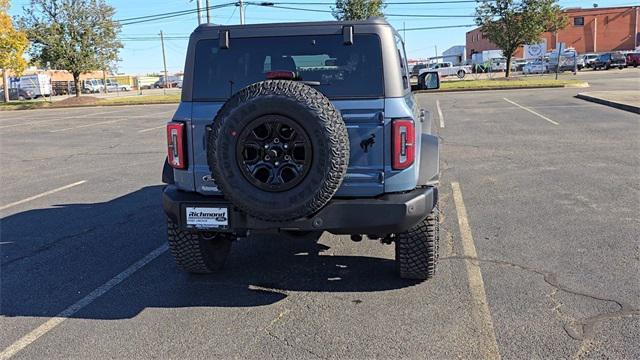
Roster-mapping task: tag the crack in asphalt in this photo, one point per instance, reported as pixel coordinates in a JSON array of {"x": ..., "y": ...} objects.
[
  {"x": 581, "y": 329},
  {"x": 288, "y": 344},
  {"x": 284, "y": 340},
  {"x": 127, "y": 218},
  {"x": 48, "y": 246}
]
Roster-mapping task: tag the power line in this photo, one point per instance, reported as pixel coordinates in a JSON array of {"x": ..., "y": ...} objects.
[
  {"x": 439, "y": 27},
  {"x": 155, "y": 38},
  {"x": 161, "y": 16},
  {"x": 387, "y": 3},
  {"x": 331, "y": 12}
]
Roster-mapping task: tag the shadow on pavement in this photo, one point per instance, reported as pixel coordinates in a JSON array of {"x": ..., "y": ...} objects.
[{"x": 53, "y": 257}]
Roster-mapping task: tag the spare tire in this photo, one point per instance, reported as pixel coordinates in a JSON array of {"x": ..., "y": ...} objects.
[{"x": 278, "y": 150}]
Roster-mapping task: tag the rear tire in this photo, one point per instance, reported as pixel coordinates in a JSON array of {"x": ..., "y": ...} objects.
[
  {"x": 461, "y": 74},
  {"x": 245, "y": 147},
  {"x": 195, "y": 254},
  {"x": 417, "y": 249}
]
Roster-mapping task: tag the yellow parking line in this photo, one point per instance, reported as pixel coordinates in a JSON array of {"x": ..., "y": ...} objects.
[{"x": 480, "y": 304}]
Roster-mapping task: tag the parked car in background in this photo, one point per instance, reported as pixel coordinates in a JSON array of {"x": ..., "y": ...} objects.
[
  {"x": 518, "y": 64},
  {"x": 113, "y": 86},
  {"x": 18, "y": 94},
  {"x": 92, "y": 86},
  {"x": 415, "y": 70},
  {"x": 589, "y": 59},
  {"x": 535, "y": 67},
  {"x": 447, "y": 69},
  {"x": 608, "y": 60},
  {"x": 580, "y": 64},
  {"x": 172, "y": 81},
  {"x": 633, "y": 59},
  {"x": 498, "y": 64}
]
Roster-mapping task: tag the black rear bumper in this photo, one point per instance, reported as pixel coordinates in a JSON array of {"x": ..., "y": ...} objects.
[{"x": 389, "y": 213}]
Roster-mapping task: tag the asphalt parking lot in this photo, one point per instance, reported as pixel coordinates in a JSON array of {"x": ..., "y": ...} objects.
[{"x": 539, "y": 246}]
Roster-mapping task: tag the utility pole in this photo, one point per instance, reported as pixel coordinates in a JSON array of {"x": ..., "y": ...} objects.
[
  {"x": 164, "y": 60},
  {"x": 404, "y": 32},
  {"x": 241, "y": 12},
  {"x": 208, "y": 12},
  {"x": 436, "y": 46},
  {"x": 199, "y": 10}
]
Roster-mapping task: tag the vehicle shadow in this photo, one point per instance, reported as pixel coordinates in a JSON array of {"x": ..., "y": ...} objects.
[{"x": 53, "y": 257}]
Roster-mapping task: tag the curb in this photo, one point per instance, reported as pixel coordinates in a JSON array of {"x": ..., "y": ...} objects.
[
  {"x": 89, "y": 105},
  {"x": 613, "y": 104}
]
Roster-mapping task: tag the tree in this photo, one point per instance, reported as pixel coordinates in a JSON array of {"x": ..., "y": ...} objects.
[
  {"x": 13, "y": 44},
  {"x": 513, "y": 23},
  {"x": 357, "y": 9},
  {"x": 74, "y": 35}
]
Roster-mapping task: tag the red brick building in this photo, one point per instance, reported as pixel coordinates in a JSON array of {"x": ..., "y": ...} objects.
[{"x": 589, "y": 30}]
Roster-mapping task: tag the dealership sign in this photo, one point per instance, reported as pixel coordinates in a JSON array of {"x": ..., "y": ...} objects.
[{"x": 535, "y": 51}]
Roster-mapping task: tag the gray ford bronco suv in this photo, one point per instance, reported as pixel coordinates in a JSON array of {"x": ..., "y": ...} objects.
[{"x": 296, "y": 128}]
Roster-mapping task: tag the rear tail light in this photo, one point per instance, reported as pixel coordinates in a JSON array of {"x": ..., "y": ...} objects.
[
  {"x": 280, "y": 75},
  {"x": 176, "y": 152},
  {"x": 403, "y": 147}
]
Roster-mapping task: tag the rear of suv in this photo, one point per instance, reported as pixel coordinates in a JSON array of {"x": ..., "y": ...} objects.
[
  {"x": 610, "y": 60},
  {"x": 297, "y": 128}
]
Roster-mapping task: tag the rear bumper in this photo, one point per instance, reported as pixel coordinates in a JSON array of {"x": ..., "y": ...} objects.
[{"x": 389, "y": 213}]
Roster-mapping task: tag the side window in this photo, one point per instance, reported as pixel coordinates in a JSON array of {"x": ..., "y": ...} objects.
[{"x": 402, "y": 57}]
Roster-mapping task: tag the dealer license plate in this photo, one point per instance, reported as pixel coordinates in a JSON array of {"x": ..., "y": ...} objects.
[{"x": 208, "y": 217}]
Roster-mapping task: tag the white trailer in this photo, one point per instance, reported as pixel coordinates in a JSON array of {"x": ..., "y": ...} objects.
[
  {"x": 486, "y": 56},
  {"x": 39, "y": 84}
]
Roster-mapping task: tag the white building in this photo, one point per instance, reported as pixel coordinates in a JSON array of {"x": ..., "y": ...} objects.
[{"x": 455, "y": 54}]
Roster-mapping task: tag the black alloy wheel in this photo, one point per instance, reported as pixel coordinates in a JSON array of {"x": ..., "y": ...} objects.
[{"x": 274, "y": 153}]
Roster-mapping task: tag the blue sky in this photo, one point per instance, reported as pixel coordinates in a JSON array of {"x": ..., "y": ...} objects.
[{"x": 144, "y": 54}]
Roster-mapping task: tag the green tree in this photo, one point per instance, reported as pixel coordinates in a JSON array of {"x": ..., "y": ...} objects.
[
  {"x": 358, "y": 9},
  {"x": 513, "y": 23},
  {"x": 13, "y": 44},
  {"x": 74, "y": 35}
]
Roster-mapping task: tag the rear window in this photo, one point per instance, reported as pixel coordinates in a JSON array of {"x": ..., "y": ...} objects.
[
  {"x": 342, "y": 70},
  {"x": 617, "y": 56}
]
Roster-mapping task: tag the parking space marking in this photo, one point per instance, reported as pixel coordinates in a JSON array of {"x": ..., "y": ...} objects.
[
  {"x": 440, "y": 117},
  {"x": 89, "y": 125},
  {"x": 153, "y": 128},
  {"x": 59, "y": 118},
  {"x": 110, "y": 113},
  {"x": 476, "y": 283},
  {"x": 4, "y": 207},
  {"x": 531, "y": 111},
  {"x": 79, "y": 305}
]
